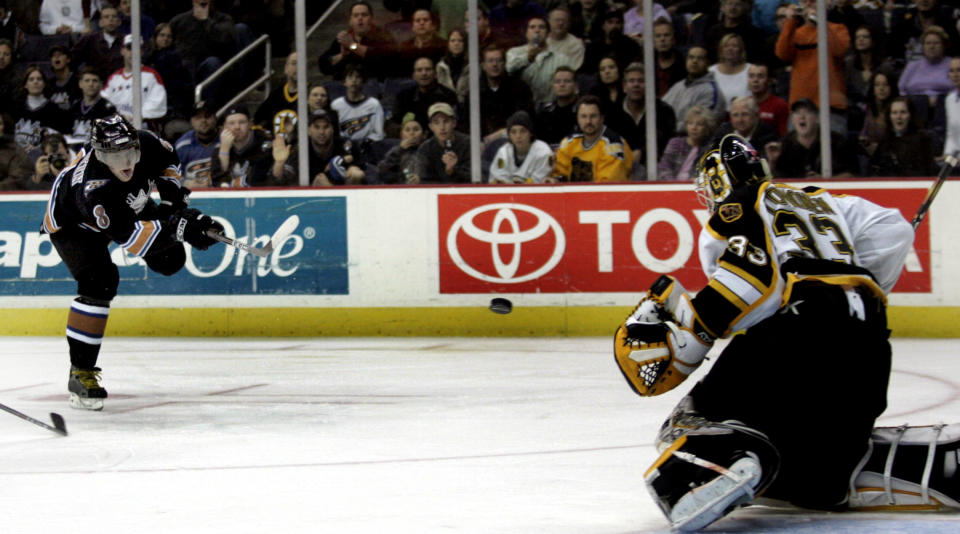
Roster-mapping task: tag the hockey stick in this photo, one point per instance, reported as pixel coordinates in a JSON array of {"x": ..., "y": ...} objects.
[
  {"x": 282, "y": 232},
  {"x": 59, "y": 426},
  {"x": 949, "y": 163}
]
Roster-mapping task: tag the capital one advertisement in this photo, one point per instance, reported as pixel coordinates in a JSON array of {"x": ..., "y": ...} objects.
[
  {"x": 597, "y": 241},
  {"x": 312, "y": 260}
]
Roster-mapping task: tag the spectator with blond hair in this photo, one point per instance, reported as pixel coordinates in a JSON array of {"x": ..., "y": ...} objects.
[{"x": 679, "y": 160}]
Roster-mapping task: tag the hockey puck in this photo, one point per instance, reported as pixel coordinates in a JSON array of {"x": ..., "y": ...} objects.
[{"x": 501, "y": 305}]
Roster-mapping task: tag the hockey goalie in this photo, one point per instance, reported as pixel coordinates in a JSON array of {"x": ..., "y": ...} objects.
[{"x": 788, "y": 409}]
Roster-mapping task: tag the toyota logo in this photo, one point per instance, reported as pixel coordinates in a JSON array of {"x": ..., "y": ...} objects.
[{"x": 506, "y": 230}]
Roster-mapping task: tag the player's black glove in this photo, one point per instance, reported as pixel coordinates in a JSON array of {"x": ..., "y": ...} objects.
[{"x": 191, "y": 226}]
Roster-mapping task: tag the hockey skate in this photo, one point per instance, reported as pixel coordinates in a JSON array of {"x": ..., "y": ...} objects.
[{"x": 86, "y": 393}]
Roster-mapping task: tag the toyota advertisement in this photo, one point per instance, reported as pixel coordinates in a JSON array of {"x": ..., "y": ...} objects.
[{"x": 598, "y": 241}]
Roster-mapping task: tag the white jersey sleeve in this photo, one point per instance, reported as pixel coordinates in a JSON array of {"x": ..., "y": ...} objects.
[{"x": 882, "y": 238}]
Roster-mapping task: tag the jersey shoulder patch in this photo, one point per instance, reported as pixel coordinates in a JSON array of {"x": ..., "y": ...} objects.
[
  {"x": 730, "y": 212},
  {"x": 93, "y": 185}
]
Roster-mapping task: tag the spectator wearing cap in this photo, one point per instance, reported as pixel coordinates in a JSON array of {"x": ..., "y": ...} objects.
[
  {"x": 64, "y": 90},
  {"x": 399, "y": 164},
  {"x": 118, "y": 88},
  {"x": 90, "y": 106},
  {"x": 101, "y": 50},
  {"x": 197, "y": 148},
  {"x": 798, "y": 156},
  {"x": 523, "y": 159},
  {"x": 534, "y": 62},
  {"x": 419, "y": 98},
  {"x": 278, "y": 113},
  {"x": 596, "y": 153},
  {"x": 59, "y": 17},
  {"x": 244, "y": 155},
  {"x": 331, "y": 161},
  {"x": 445, "y": 157},
  {"x": 360, "y": 116},
  {"x": 362, "y": 43}
]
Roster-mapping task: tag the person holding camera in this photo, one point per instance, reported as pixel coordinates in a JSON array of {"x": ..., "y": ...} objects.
[
  {"x": 797, "y": 45},
  {"x": 54, "y": 158}
]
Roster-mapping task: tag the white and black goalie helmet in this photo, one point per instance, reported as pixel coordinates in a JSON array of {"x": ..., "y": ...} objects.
[{"x": 722, "y": 170}]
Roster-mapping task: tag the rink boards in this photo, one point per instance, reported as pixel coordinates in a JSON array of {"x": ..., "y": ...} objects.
[{"x": 427, "y": 260}]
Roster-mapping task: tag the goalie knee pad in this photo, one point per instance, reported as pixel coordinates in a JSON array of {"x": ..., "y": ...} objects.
[
  {"x": 909, "y": 468},
  {"x": 709, "y": 470}
]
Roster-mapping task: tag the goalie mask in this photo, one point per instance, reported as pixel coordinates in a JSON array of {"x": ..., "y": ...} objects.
[{"x": 735, "y": 164}]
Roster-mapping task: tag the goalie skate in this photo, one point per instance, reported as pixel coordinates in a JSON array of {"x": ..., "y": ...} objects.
[{"x": 86, "y": 393}]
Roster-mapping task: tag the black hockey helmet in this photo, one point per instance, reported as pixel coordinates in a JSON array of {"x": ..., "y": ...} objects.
[
  {"x": 113, "y": 134},
  {"x": 742, "y": 162}
]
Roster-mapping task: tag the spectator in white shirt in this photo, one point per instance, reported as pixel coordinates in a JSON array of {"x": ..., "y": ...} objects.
[
  {"x": 65, "y": 16},
  {"x": 561, "y": 40},
  {"x": 119, "y": 88}
]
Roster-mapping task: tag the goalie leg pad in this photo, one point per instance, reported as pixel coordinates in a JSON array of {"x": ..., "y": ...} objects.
[
  {"x": 909, "y": 468},
  {"x": 709, "y": 471}
]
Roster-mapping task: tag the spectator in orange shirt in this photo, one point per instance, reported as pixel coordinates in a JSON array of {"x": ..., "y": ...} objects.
[{"x": 797, "y": 45}]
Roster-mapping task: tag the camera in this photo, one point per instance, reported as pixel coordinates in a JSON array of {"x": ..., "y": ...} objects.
[{"x": 57, "y": 160}]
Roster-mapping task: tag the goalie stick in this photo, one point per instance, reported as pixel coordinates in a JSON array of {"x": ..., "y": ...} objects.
[
  {"x": 949, "y": 163},
  {"x": 282, "y": 232},
  {"x": 59, "y": 426}
]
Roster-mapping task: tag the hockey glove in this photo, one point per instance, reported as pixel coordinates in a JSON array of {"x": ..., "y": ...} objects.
[
  {"x": 192, "y": 226},
  {"x": 656, "y": 347}
]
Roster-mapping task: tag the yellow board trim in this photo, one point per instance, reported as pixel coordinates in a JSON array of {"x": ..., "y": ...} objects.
[{"x": 546, "y": 321}]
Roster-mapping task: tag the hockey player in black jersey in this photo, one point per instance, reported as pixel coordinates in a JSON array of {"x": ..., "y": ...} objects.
[
  {"x": 788, "y": 408},
  {"x": 104, "y": 197}
]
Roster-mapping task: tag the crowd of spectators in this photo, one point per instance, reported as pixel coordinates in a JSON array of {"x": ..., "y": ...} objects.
[{"x": 562, "y": 88}]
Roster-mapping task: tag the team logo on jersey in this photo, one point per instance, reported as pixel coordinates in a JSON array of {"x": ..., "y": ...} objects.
[
  {"x": 137, "y": 202},
  {"x": 730, "y": 212},
  {"x": 93, "y": 185}
]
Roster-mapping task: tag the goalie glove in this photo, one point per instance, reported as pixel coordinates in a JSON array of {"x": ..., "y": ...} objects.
[{"x": 662, "y": 341}]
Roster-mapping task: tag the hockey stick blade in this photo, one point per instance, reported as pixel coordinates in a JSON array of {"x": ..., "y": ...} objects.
[
  {"x": 949, "y": 163},
  {"x": 285, "y": 229},
  {"x": 59, "y": 426}
]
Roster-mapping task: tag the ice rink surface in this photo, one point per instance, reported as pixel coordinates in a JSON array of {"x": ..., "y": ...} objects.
[{"x": 412, "y": 435}]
